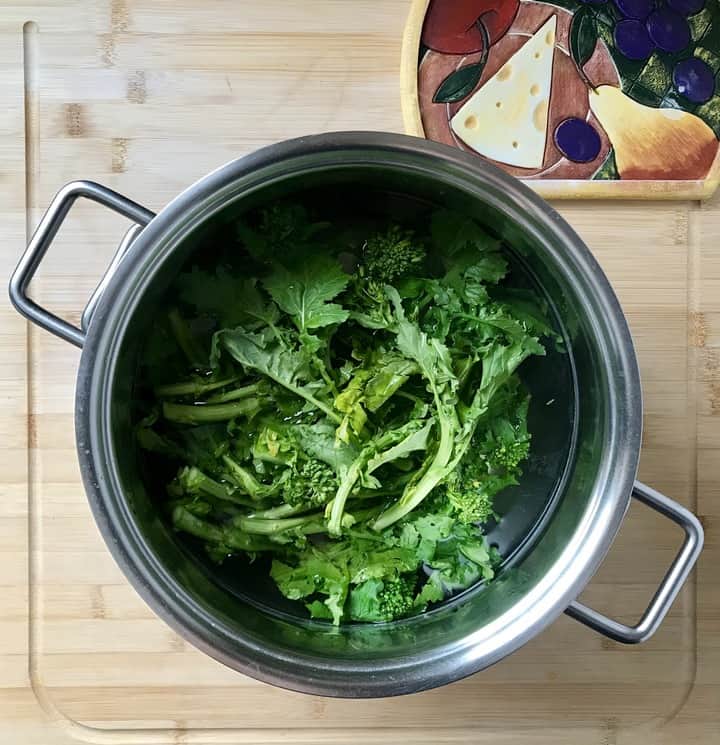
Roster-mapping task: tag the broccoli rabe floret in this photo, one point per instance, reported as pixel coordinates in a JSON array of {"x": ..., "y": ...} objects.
[
  {"x": 391, "y": 255},
  {"x": 509, "y": 455},
  {"x": 472, "y": 487},
  {"x": 313, "y": 483},
  {"x": 468, "y": 495},
  {"x": 397, "y": 597},
  {"x": 383, "y": 599}
]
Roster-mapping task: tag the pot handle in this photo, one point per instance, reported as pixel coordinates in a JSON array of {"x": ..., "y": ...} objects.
[
  {"x": 43, "y": 237},
  {"x": 670, "y": 585}
]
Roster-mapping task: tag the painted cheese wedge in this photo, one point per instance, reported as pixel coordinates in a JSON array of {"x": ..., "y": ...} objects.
[{"x": 507, "y": 118}]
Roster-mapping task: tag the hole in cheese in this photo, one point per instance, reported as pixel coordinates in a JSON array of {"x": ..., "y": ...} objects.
[
  {"x": 534, "y": 89},
  {"x": 471, "y": 122},
  {"x": 515, "y": 144},
  {"x": 550, "y": 38},
  {"x": 504, "y": 73},
  {"x": 537, "y": 55},
  {"x": 540, "y": 115},
  {"x": 498, "y": 104}
]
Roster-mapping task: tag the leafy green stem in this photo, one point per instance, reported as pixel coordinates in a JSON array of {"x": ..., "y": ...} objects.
[
  {"x": 195, "y": 387},
  {"x": 236, "y": 394},
  {"x": 204, "y": 413},
  {"x": 185, "y": 339},
  {"x": 327, "y": 410}
]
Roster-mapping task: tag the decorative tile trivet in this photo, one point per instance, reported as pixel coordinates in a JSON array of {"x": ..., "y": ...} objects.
[{"x": 588, "y": 99}]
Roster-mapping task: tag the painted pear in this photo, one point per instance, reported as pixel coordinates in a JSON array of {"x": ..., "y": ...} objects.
[{"x": 663, "y": 144}]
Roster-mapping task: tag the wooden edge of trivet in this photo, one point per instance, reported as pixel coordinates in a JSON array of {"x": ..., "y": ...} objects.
[{"x": 409, "y": 68}]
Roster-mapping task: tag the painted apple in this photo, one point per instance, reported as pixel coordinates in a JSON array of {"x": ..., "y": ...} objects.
[{"x": 451, "y": 26}]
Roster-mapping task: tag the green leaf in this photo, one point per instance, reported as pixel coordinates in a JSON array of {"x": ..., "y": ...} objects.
[
  {"x": 349, "y": 402},
  {"x": 643, "y": 95},
  {"x": 431, "y": 592},
  {"x": 283, "y": 228},
  {"x": 453, "y": 232},
  {"x": 365, "y": 601},
  {"x": 502, "y": 361},
  {"x": 608, "y": 170},
  {"x": 432, "y": 356},
  {"x": 710, "y": 113},
  {"x": 699, "y": 23},
  {"x": 415, "y": 441},
  {"x": 488, "y": 269},
  {"x": 294, "y": 583},
  {"x": 459, "y": 84},
  {"x": 392, "y": 372},
  {"x": 318, "y": 441},
  {"x": 424, "y": 534},
  {"x": 709, "y": 57},
  {"x": 318, "y": 609},
  {"x": 314, "y": 573},
  {"x": 254, "y": 306},
  {"x": 287, "y": 367},
  {"x": 655, "y": 76},
  {"x": 583, "y": 36},
  {"x": 230, "y": 299},
  {"x": 466, "y": 557},
  {"x": 384, "y": 563},
  {"x": 305, "y": 292},
  {"x": 258, "y": 351}
]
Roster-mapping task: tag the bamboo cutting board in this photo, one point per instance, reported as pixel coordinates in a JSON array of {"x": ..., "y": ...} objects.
[{"x": 147, "y": 96}]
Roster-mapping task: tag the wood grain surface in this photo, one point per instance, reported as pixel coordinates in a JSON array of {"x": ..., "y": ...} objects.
[{"x": 146, "y": 96}]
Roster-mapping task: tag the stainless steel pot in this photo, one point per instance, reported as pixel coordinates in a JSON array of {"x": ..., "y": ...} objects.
[{"x": 586, "y": 500}]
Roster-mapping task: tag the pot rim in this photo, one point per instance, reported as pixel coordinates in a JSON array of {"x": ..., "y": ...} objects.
[{"x": 585, "y": 549}]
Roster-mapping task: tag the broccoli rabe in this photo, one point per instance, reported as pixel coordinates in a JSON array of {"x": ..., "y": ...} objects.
[
  {"x": 468, "y": 494},
  {"x": 314, "y": 483},
  {"x": 350, "y": 412},
  {"x": 390, "y": 255},
  {"x": 383, "y": 600}
]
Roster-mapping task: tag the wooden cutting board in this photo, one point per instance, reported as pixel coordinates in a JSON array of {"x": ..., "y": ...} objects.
[{"x": 147, "y": 96}]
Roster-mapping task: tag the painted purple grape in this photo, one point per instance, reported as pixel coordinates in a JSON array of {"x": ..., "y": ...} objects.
[
  {"x": 669, "y": 30},
  {"x": 577, "y": 140},
  {"x": 694, "y": 79},
  {"x": 638, "y": 9},
  {"x": 686, "y": 7},
  {"x": 633, "y": 40}
]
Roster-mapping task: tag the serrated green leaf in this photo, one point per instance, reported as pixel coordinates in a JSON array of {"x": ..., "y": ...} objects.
[
  {"x": 262, "y": 353},
  {"x": 452, "y": 232},
  {"x": 459, "y": 84},
  {"x": 304, "y": 293},
  {"x": 230, "y": 299}
]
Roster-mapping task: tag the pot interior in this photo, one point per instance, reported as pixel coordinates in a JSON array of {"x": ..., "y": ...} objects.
[
  {"x": 564, "y": 513},
  {"x": 550, "y": 381}
]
